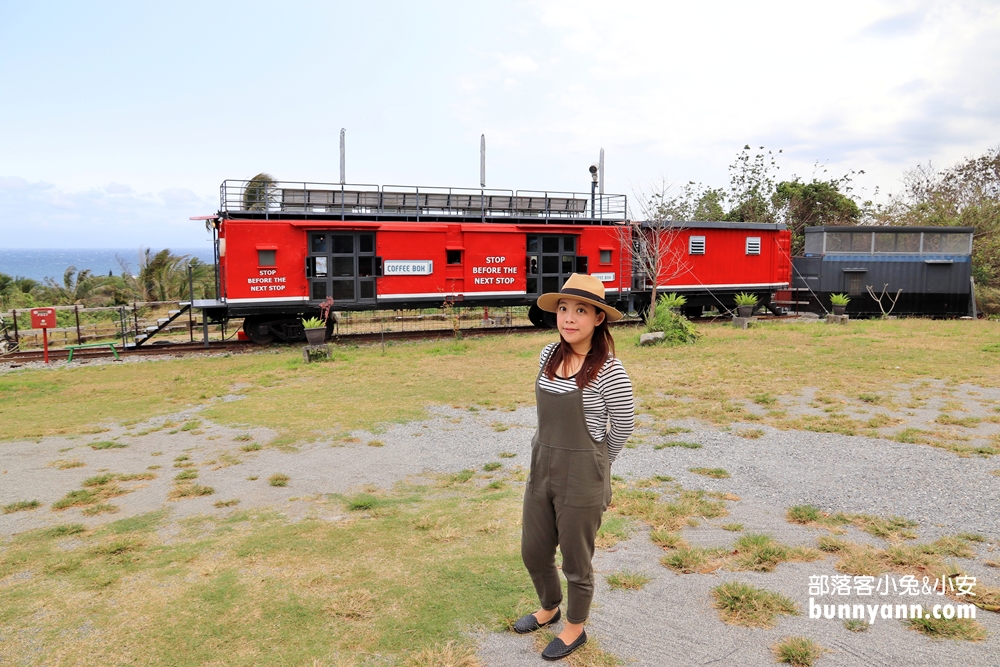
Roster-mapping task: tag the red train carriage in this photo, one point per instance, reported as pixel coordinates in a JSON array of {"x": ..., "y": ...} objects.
[
  {"x": 284, "y": 248},
  {"x": 710, "y": 262}
]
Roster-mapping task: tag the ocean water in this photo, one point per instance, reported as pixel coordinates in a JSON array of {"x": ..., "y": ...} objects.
[{"x": 39, "y": 263}]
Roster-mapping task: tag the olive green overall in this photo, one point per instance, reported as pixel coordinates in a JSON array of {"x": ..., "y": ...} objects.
[{"x": 568, "y": 489}]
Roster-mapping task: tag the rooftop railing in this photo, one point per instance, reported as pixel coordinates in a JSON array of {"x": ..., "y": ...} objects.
[{"x": 334, "y": 199}]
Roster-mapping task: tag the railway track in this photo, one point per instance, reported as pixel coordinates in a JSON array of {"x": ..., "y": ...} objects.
[
  {"x": 242, "y": 346},
  {"x": 246, "y": 346}
]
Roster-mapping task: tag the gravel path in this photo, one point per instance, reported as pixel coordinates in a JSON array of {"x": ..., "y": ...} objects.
[{"x": 670, "y": 621}]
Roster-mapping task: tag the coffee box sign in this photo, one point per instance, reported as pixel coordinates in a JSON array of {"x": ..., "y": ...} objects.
[
  {"x": 604, "y": 277},
  {"x": 408, "y": 267}
]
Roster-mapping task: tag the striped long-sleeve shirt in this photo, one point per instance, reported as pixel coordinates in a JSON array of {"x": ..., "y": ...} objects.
[{"x": 607, "y": 401}]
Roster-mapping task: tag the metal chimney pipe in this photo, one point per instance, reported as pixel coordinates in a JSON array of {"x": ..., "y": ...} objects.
[
  {"x": 343, "y": 132},
  {"x": 482, "y": 160}
]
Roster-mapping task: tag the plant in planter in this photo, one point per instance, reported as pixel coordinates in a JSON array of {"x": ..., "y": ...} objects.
[
  {"x": 315, "y": 330},
  {"x": 673, "y": 301},
  {"x": 839, "y": 303},
  {"x": 745, "y": 303}
]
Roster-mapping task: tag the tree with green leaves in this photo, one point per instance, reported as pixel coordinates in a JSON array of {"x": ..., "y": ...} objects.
[
  {"x": 803, "y": 205},
  {"x": 964, "y": 195},
  {"x": 258, "y": 192}
]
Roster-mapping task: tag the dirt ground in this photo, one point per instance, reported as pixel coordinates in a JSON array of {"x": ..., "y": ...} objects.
[{"x": 671, "y": 620}]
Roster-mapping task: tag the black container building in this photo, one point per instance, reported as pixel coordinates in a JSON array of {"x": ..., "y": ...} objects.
[{"x": 931, "y": 265}]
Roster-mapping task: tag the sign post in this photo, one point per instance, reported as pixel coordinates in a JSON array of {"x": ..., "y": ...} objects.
[{"x": 44, "y": 319}]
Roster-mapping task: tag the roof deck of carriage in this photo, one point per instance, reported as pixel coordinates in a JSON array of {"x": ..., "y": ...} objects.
[{"x": 283, "y": 200}]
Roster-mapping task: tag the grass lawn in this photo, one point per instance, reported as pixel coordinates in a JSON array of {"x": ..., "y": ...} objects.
[{"x": 362, "y": 387}]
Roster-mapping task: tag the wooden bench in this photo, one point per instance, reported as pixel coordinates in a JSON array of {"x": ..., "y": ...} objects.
[{"x": 74, "y": 348}]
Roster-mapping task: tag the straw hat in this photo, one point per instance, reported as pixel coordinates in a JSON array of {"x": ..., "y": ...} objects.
[{"x": 581, "y": 288}]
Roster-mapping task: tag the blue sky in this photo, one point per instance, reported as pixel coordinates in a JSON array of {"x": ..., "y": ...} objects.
[{"x": 119, "y": 120}]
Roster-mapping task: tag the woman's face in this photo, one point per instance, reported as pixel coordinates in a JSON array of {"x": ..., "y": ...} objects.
[{"x": 577, "y": 320}]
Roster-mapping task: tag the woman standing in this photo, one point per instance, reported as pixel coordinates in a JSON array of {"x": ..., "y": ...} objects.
[{"x": 585, "y": 415}]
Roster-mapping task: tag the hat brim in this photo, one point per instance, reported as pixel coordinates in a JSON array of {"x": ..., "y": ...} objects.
[{"x": 550, "y": 302}]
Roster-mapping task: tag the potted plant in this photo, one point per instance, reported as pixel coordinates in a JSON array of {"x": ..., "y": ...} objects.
[
  {"x": 745, "y": 304},
  {"x": 315, "y": 330},
  {"x": 839, "y": 303},
  {"x": 673, "y": 301}
]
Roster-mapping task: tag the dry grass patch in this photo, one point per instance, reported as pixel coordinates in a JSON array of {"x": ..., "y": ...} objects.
[
  {"x": 99, "y": 488},
  {"x": 761, "y": 553},
  {"x": 941, "y": 628},
  {"x": 677, "y": 443},
  {"x": 732, "y": 527},
  {"x": 694, "y": 560},
  {"x": 107, "y": 444},
  {"x": 750, "y": 433},
  {"x": 715, "y": 473},
  {"x": 278, "y": 479},
  {"x": 182, "y": 491},
  {"x": 451, "y": 654},
  {"x": 798, "y": 651},
  {"x": 951, "y": 420},
  {"x": 507, "y": 455},
  {"x": 613, "y": 530},
  {"x": 627, "y": 580},
  {"x": 749, "y": 606},
  {"x": 21, "y": 506},
  {"x": 892, "y": 528},
  {"x": 64, "y": 464}
]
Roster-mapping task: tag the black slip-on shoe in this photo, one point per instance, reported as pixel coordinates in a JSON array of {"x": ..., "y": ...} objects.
[
  {"x": 557, "y": 650},
  {"x": 529, "y": 623}
]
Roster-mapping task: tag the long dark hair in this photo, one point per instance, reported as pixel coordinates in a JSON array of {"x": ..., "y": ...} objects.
[{"x": 602, "y": 346}]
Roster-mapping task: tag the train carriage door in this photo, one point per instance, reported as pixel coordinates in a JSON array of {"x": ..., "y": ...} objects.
[
  {"x": 551, "y": 261},
  {"x": 342, "y": 265}
]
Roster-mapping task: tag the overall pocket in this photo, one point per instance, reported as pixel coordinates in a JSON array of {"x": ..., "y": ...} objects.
[{"x": 584, "y": 479}]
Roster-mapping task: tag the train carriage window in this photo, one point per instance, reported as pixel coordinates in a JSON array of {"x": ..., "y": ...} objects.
[
  {"x": 838, "y": 241},
  {"x": 319, "y": 290},
  {"x": 454, "y": 256},
  {"x": 550, "y": 284},
  {"x": 753, "y": 245},
  {"x": 696, "y": 245},
  {"x": 956, "y": 244},
  {"x": 532, "y": 285},
  {"x": 567, "y": 263},
  {"x": 605, "y": 257},
  {"x": 367, "y": 243},
  {"x": 814, "y": 244},
  {"x": 885, "y": 242},
  {"x": 266, "y": 258},
  {"x": 367, "y": 289},
  {"x": 532, "y": 244},
  {"x": 342, "y": 266},
  {"x": 319, "y": 243},
  {"x": 550, "y": 264},
  {"x": 319, "y": 267},
  {"x": 343, "y": 244},
  {"x": 908, "y": 242},
  {"x": 569, "y": 243},
  {"x": 861, "y": 242},
  {"x": 343, "y": 290},
  {"x": 366, "y": 267},
  {"x": 550, "y": 244},
  {"x": 932, "y": 243}
]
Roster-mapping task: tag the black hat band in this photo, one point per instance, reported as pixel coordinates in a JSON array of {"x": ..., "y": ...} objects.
[{"x": 572, "y": 291}]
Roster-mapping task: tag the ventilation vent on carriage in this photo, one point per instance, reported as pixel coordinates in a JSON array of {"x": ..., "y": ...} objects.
[
  {"x": 696, "y": 245},
  {"x": 753, "y": 245}
]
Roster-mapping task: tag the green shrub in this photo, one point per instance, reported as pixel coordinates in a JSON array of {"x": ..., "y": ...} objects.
[
  {"x": 676, "y": 329},
  {"x": 744, "y": 299},
  {"x": 313, "y": 323}
]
